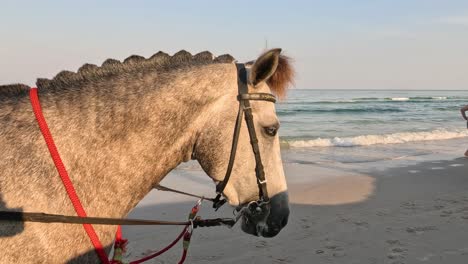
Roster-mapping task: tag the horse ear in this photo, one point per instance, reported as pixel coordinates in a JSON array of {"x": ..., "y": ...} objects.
[{"x": 265, "y": 66}]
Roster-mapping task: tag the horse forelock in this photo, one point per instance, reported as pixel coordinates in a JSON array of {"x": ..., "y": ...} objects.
[
  {"x": 158, "y": 62},
  {"x": 283, "y": 78}
]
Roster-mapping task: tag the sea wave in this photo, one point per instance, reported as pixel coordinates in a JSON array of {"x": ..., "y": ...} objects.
[
  {"x": 398, "y": 99},
  {"x": 342, "y": 110},
  {"x": 366, "y": 140},
  {"x": 419, "y": 98},
  {"x": 415, "y": 99}
]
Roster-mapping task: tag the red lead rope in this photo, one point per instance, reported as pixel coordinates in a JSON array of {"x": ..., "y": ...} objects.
[{"x": 67, "y": 183}]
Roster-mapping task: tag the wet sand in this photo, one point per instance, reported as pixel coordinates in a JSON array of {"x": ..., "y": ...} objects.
[{"x": 411, "y": 214}]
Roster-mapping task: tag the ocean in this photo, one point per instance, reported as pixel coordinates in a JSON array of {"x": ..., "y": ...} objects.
[
  {"x": 364, "y": 130},
  {"x": 355, "y": 126}
]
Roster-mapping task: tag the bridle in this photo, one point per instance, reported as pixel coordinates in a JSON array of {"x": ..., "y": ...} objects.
[{"x": 244, "y": 98}]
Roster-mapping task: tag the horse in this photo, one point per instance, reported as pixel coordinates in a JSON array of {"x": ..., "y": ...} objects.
[{"x": 120, "y": 128}]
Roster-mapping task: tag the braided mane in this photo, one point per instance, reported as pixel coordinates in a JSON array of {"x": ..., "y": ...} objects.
[
  {"x": 134, "y": 64},
  {"x": 160, "y": 61}
]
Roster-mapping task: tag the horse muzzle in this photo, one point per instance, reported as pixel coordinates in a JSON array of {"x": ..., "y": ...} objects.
[{"x": 266, "y": 219}]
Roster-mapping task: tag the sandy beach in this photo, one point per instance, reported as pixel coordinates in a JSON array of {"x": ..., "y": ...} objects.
[{"x": 405, "y": 212}]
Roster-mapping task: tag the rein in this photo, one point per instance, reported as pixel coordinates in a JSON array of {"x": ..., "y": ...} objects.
[{"x": 67, "y": 219}]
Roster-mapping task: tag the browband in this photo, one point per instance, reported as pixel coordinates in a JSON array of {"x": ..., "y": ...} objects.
[{"x": 257, "y": 97}]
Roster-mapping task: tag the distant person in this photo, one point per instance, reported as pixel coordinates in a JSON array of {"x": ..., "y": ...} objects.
[{"x": 463, "y": 112}]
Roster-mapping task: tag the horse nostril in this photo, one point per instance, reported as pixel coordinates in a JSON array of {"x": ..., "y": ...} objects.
[
  {"x": 284, "y": 222},
  {"x": 279, "y": 210}
]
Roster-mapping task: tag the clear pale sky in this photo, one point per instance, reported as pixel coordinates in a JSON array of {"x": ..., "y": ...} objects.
[{"x": 394, "y": 44}]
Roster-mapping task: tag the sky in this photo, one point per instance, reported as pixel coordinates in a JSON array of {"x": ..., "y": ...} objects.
[{"x": 397, "y": 44}]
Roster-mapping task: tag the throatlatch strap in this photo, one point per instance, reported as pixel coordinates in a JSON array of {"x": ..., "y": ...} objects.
[
  {"x": 235, "y": 139},
  {"x": 67, "y": 183}
]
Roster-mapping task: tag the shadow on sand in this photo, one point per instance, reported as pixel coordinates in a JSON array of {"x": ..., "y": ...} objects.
[{"x": 9, "y": 229}]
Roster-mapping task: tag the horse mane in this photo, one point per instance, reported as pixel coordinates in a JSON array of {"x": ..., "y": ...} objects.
[
  {"x": 278, "y": 82},
  {"x": 13, "y": 89},
  {"x": 283, "y": 78},
  {"x": 133, "y": 64}
]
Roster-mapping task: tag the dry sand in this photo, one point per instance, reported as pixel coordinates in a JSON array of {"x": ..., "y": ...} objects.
[{"x": 413, "y": 214}]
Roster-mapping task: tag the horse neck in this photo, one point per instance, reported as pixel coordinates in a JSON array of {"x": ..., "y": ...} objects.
[{"x": 119, "y": 138}]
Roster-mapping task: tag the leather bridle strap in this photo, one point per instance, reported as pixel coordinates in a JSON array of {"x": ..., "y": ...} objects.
[
  {"x": 257, "y": 97},
  {"x": 259, "y": 170},
  {"x": 167, "y": 189},
  {"x": 244, "y": 106}
]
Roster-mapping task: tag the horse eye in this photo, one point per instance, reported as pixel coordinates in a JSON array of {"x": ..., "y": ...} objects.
[{"x": 271, "y": 131}]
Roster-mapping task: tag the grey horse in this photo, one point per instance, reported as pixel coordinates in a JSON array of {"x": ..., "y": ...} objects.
[{"x": 120, "y": 128}]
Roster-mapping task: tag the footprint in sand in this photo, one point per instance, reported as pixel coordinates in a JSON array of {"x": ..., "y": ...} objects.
[
  {"x": 382, "y": 212},
  {"x": 282, "y": 260},
  {"x": 361, "y": 224},
  {"x": 397, "y": 251},
  {"x": 393, "y": 242},
  {"x": 394, "y": 255},
  {"x": 420, "y": 229},
  {"x": 426, "y": 257},
  {"x": 461, "y": 251},
  {"x": 409, "y": 205},
  {"x": 337, "y": 251},
  {"x": 446, "y": 213},
  {"x": 261, "y": 244},
  {"x": 397, "y": 254},
  {"x": 447, "y": 200},
  {"x": 333, "y": 250}
]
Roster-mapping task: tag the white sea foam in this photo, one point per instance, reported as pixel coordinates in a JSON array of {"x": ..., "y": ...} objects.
[
  {"x": 366, "y": 140},
  {"x": 399, "y": 99},
  {"x": 385, "y": 99}
]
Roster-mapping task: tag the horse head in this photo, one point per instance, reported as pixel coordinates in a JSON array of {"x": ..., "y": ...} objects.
[{"x": 261, "y": 200}]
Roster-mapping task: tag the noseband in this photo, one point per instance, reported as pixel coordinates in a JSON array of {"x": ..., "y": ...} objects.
[{"x": 244, "y": 98}]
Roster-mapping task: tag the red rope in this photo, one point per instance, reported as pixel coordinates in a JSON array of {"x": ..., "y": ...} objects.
[
  {"x": 184, "y": 255},
  {"x": 118, "y": 235},
  {"x": 162, "y": 250},
  {"x": 67, "y": 183}
]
